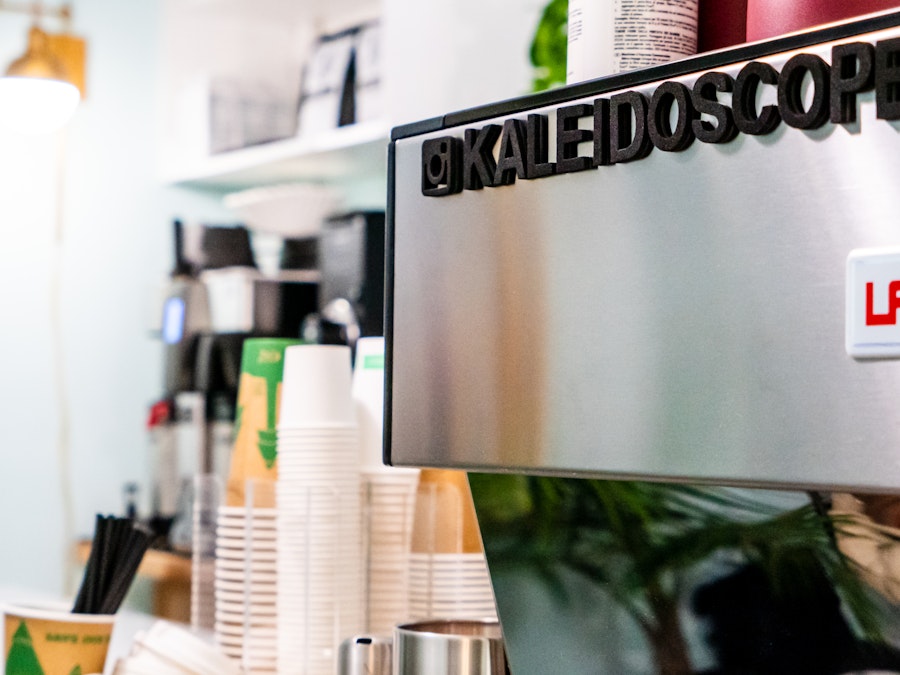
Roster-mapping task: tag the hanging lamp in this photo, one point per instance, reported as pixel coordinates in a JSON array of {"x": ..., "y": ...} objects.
[{"x": 41, "y": 89}]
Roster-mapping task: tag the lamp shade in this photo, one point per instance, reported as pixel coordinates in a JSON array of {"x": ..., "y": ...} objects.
[
  {"x": 36, "y": 106},
  {"x": 36, "y": 96}
]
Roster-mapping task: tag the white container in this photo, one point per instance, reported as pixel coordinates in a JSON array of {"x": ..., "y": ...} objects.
[
  {"x": 613, "y": 36},
  {"x": 231, "y": 294}
]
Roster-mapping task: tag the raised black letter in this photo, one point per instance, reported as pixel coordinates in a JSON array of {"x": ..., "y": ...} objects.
[
  {"x": 790, "y": 92},
  {"x": 568, "y": 136},
  {"x": 601, "y": 131},
  {"x": 705, "y": 96},
  {"x": 887, "y": 79},
  {"x": 625, "y": 146},
  {"x": 511, "y": 160},
  {"x": 662, "y": 135},
  {"x": 852, "y": 71},
  {"x": 536, "y": 164},
  {"x": 441, "y": 174},
  {"x": 744, "y": 100},
  {"x": 478, "y": 158}
]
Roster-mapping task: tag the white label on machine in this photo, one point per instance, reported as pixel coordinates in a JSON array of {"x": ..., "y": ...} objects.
[{"x": 873, "y": 303}]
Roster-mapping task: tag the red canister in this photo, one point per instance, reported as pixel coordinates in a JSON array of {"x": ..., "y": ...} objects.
[
  {"x": 767, "y": 18},
  {"x": 721, "y": 23}
]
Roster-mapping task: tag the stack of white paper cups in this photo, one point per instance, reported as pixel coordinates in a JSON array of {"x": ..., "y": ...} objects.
[
  {"x": 245, "y": 584},
  {"x": 320, "y": 580},
  {"x": 448, "y": 574},
  {"x": 389, "y": 497}
]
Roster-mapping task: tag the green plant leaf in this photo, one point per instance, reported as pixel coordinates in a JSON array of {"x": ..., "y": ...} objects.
[{"x": 549, "y": 46}]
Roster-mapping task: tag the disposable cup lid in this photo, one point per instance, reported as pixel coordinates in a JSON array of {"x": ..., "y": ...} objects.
[{"x": 186, "y": 649}]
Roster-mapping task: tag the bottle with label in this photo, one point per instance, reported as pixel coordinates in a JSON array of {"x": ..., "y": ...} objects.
[{"x": 612, "y": 36}]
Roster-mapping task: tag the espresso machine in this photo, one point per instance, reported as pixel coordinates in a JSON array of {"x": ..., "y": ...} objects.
[{"x": 667, "y": 353}]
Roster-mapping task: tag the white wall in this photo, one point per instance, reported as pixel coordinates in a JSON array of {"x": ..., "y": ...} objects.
[
  {"x": 442, "y": 57},
  {"x": 115, "y": 249}
]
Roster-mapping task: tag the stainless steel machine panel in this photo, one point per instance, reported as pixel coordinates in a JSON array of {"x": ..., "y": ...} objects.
[{"x": 680, "y": 317}]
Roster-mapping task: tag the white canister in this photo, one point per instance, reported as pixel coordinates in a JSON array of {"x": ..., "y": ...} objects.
[{"x": 612, "y": 36}]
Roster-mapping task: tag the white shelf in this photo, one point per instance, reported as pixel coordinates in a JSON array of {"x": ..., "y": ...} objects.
[{"x": 343, "y": 155}]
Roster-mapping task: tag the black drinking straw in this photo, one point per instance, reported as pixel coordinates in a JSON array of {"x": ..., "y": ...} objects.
[
  {"x": 117, "y": 550},
  {"x": 87, "y": 584},
  {"x": 106, "y": 544},
  {"x": 132, "y": 554}
]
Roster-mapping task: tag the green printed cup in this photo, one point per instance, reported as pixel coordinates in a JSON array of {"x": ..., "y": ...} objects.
[
  {"x": 51, "y": 641},
  {"x": 259, "y": 392}
]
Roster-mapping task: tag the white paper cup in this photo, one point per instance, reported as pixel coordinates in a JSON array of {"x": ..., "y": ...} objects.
[
  {"x": 331, "y": 432},
  {"x": 368, "y": 394},
  {"x": 237, "y": 536},
  {"x": 256, "y": 528},
  {"x": 223, "y": 628},
  {"x": 238, "y": 587},
  {"x": 239, "y": 609},
  {"x": 250, "y": 577},
  {"x": 251, "y": 621},
  {"x": 252, "y": 566},
  {"x": 255, "y": 599},
  {"x": 252, "y": 555},
  {"x": 240, "y": 544},
  {"x": 316, "y": 387},
  {"x": 243, "y": 511},
  {"x": 240, "y": 521}
]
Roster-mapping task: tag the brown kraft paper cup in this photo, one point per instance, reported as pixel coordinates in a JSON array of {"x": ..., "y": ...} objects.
[
  {"x": 40, "y": 640},
  {"x": 259, "y": 391}
]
